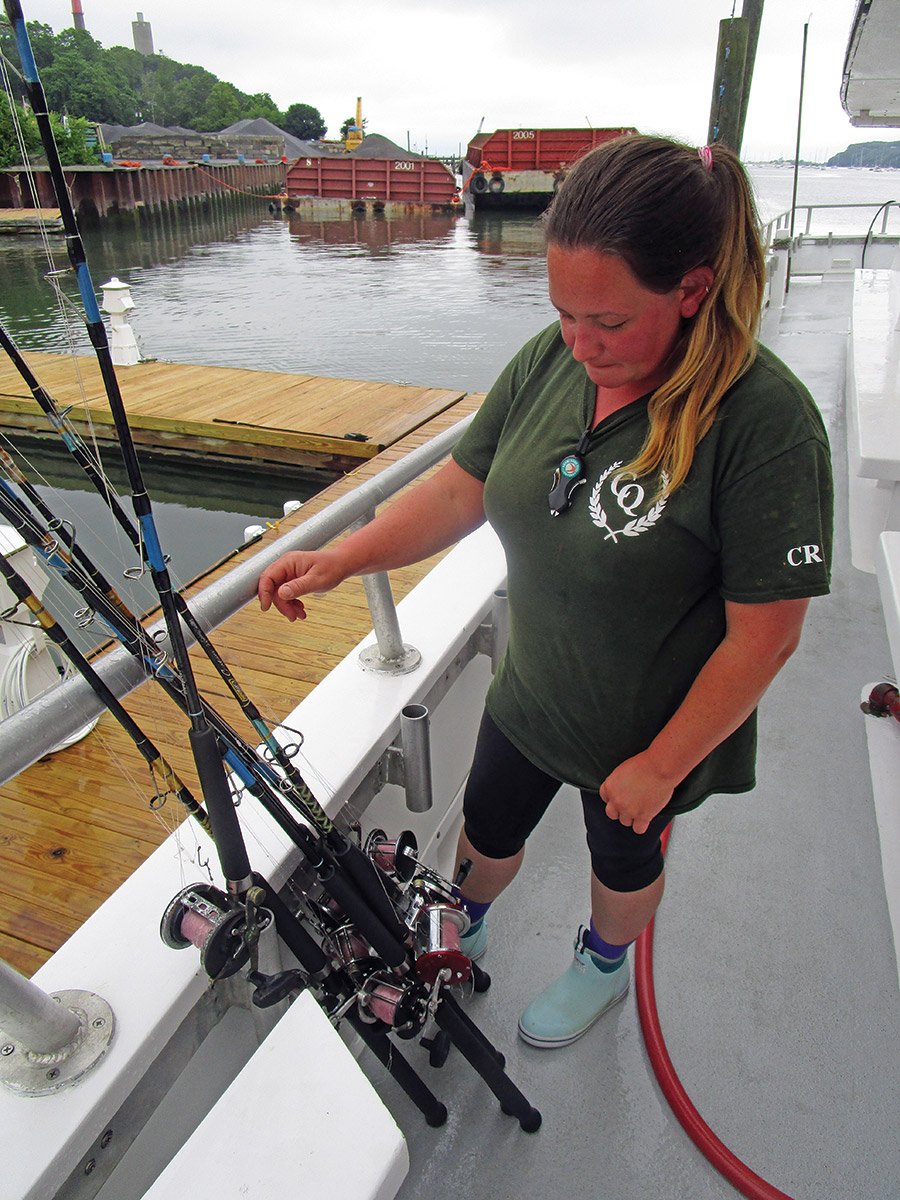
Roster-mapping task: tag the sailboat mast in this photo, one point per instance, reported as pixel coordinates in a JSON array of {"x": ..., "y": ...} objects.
[{"x": 787, "y": 278}]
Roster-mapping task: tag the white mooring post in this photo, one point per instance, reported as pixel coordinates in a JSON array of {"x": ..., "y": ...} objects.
[{"x": 117, "y": 302}]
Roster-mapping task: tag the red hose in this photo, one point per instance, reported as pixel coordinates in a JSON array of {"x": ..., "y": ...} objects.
[{"x": 747, "y": 1182}]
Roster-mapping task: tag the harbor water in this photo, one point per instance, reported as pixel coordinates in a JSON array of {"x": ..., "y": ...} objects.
[{"x": 442, "y": 301}]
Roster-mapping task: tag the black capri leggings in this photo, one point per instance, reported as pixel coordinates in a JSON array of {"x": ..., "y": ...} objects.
[{"x": 507, "y": 795}]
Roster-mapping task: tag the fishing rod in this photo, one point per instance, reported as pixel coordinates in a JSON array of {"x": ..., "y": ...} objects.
[
  {"x": 358, "y": 987},
  {"x": 297, "y": 790},
  {"x": 213, "y": 783},
  {"x": 333, "y": 859},
  {"x": 300, "y": 792},
  {"x": 361, "y": 880},
  {"x": 149, "y": 752},
  {"x": 405, "y": 913}
]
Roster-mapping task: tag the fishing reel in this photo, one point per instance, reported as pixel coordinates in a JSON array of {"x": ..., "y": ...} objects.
[
  {"x": 223, "y": 931},
  {"x": 400, "y": 1004},
  {"x": 427, "y": 907},
  {"x": 883, "y": 701}
]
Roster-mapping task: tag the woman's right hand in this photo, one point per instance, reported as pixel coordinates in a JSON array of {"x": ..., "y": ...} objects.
[{"x": 296, "y": 574}]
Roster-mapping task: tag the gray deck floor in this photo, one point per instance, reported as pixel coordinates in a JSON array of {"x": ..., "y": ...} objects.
[{"x": 775, "y": 971}]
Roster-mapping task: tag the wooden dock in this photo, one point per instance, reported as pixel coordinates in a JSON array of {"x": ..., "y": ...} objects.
[
  {"x": 77, "y": 823},
  {"x": 30, "y": 220},
  {"x": 323, "y": 425}
]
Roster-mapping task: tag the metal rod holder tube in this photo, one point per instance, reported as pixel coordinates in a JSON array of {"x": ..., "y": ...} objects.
[
  {"x": 31, "y": 1017},
  {"x": 500, "y": 621},
  {"x": 415, "y": 739}
]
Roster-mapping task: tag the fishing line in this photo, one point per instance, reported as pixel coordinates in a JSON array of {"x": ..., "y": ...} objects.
[
  {"x": 54, "y": 277},
  {"x": 72, "y": 567},
  {"x": 163, "y": 814},
  {"x": 292, "y": 784},
  {"x": 54, "y": 273},
  {"x": 48, "y": 624},
  {"x": 80, "y": 453},
  {"x": 349, "y": 875},
  {"x": 15, "y": 474}
]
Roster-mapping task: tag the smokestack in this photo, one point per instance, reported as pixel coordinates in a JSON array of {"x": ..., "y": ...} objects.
[
  {"x": 77, "y": 14},
  {"x": 142, "y": 34}
]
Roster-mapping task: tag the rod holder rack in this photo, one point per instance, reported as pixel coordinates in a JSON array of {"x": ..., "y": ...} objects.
[
  {"x": 494, "y": 634},
  {"x": 409, "y": 764},
  {"x": 49, "y": 1042}
]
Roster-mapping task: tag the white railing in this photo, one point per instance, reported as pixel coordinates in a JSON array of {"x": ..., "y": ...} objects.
[
  {"x": 886, "y": 214},
  {"x": 30, "y": 733}
]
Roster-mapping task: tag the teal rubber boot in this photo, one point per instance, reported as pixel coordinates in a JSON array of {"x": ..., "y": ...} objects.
[
  {"x": 572, "y": 1003},
  {"x": 474, "y": 943}
]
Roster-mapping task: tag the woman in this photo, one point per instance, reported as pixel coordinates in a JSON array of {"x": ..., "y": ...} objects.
[{"x": 659, "y": 589}]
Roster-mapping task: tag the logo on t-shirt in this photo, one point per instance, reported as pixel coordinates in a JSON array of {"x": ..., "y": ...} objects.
[
  {"x": 799, "y": 556},
  {"x": 626, "y": 498}
]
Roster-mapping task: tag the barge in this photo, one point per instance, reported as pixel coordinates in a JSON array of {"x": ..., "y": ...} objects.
[
  {"x": 522, "y": 168},
  {"x": 377, "y": 174}
]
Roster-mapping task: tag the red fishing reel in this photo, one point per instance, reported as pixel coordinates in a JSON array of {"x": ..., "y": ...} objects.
[
  {"x": 883, "y": 701},
  {"x": 438, "y": 931}
]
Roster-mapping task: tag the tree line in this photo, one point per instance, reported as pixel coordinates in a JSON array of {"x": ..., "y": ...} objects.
[
  {"x": 868, "y": 154},
  {"x": 87, "y": 82}
]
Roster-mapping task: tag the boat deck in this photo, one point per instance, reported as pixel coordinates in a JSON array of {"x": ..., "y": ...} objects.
[
  {"x": 304, "y": 421},
  {"x": 77, "y": 823},
  {"x": 775, "y": 971}
]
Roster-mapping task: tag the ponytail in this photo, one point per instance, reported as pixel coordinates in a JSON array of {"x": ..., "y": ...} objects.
[{"x": 666, "y": 209}]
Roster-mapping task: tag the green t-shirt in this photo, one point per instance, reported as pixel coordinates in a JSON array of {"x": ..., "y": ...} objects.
[{"x": 616, "y": 604}]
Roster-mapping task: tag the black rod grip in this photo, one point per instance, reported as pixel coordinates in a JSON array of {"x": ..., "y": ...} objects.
[
  {"x": 368, "y": 882},
  {"x": 385, "y": 944},
  {"x": 226, "y": 828},
  {"x": 434, "y": 1112}
]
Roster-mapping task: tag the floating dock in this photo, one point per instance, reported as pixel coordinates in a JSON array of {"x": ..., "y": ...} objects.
[
  {"x": 310, "y": 423},
  {"x": 30, "y": 220},
  {"x": 76, "y": 824}
]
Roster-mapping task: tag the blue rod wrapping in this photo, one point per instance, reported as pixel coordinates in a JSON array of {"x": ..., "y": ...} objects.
[
  {"x": 88, "y": 298},
  {"x": 151, "y": 543},
  {"x": 29, "y": 66}
]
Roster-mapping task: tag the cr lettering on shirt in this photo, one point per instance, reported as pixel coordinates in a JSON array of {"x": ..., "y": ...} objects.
[{"x": 799, "y": 556}]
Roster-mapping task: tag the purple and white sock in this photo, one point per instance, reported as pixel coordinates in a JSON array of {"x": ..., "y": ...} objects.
[{"x": 611, "y": 957}]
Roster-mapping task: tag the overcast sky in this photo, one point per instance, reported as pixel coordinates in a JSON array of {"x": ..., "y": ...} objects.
[{"x": 431, "y": 70}]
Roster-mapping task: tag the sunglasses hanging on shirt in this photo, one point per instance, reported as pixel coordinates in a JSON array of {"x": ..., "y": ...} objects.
[{"x": 568, "y": 476}]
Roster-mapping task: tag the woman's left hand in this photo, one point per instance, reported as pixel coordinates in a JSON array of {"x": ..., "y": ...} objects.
[{"x": 635, "y": 792}]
